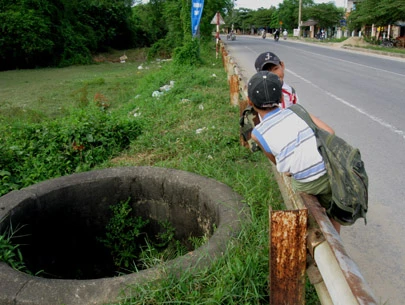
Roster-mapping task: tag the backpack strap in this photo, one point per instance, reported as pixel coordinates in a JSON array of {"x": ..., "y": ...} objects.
[
  {"x": 294, "y": 96},
  {"x": 303, "y": 114}
]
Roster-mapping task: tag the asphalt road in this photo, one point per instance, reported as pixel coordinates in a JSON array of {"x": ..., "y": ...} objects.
[{"x": 362, "y": 96}]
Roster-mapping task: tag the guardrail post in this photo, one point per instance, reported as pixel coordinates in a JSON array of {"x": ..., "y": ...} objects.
[
  {"x": 224, "y": 54},
  {"x": 229, "y": 66},
  {"x": 287, "y": 235},
  {"x": 234, "y": 87}
]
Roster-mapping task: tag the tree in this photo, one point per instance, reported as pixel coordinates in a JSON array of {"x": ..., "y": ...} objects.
[
  {"x": 380, "y": 13},
  {"x": 241, "y": 18},
  {"x": 288, "y": 12},
  {"x": 247, "y": 19},
  {"x": 150, "y": 19},
  {"x": 275, "y": 20},
  {"x": 211, "y": 7},
  {"x": 24, "y": 38},
  {"x": 326, "y": 14},
  {"x": 62, "y": 32},
  {"x": 262, "y": 17}
]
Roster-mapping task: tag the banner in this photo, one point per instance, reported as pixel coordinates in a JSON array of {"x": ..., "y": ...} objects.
[{"x": 196, "y": 12}]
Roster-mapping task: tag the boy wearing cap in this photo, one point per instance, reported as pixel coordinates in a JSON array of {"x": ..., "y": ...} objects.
[
  {"x": 287, "y": 140},
  {"x": 268, "y": 61}
]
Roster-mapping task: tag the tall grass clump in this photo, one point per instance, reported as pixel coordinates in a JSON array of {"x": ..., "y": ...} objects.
[{"x": 10, "y": 249}]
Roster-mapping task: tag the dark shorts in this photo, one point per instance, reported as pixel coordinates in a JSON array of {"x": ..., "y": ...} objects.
[
  {"x": 319, "y": 188},
  {"x": 322, "y": 190}
]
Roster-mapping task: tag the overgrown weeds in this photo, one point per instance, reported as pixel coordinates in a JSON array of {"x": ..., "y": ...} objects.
[
  {"x": 78, "y": 142},
  {"x": 10, "y": 252},
  {"x": 132, "y": 249},
  {"x": 122, "y": 234}
]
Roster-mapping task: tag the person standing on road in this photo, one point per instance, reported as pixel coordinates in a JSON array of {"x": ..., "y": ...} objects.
[{"x": 288, "y": 141}]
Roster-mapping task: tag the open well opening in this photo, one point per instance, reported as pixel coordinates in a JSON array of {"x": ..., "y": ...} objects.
[{"x": 63, "y": 221}]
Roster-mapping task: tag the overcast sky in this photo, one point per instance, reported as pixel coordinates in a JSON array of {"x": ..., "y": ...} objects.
[{"x": 255, "y": 4}]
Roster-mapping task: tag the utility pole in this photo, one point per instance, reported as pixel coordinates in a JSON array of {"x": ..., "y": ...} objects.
[
  {"x": 299, "y": 18},
  {"x": 233, "y": 12}
]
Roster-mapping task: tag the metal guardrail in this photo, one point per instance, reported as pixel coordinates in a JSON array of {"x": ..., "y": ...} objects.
[{"x": 335, "y": 276}]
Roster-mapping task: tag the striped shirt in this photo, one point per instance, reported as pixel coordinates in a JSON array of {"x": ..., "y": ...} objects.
[{"x": 292, "y": 142}]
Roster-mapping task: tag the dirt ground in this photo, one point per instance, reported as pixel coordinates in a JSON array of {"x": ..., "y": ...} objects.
[{"x": 353, "y": 41}]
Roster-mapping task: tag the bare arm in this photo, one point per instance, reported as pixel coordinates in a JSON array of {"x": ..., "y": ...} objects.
[
  {"x": 268, "y": 155},
  {"x": 321, "y": 124}
]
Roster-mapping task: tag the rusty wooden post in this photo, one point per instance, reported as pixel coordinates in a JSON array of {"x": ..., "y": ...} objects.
[
  {"x": 234, "y": 86},
  {"x": 224, "y": 54},
  {"x": 287, "y": 235}
]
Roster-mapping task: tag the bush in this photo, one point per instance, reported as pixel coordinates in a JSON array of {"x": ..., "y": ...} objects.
[
  {"x": 188, "y": 54},
  {"x": 122, "y": 234},
  {"x": 79, "y": 142},
  {"x": 160, "y": 49}
]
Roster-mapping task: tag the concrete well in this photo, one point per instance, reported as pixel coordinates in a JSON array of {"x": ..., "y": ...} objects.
[{"x": 63, "y": 215}]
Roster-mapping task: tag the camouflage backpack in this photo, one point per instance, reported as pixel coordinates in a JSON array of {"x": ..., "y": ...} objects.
[
  {"x": 248, "y": 120},
  {"x": 347, "y": 175}
]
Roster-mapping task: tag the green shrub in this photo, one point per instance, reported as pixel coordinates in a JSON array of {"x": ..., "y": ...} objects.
[
  {"x": 122, "y": 233},
  {"x": 132, "y": 249},
  {"x": 78, "y": 142},
  {"x": 188, "y": 54},
  {"x": 161, "y": 48}
]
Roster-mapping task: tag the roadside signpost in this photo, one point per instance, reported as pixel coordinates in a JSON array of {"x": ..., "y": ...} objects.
[{"x": 217, "y": 19}]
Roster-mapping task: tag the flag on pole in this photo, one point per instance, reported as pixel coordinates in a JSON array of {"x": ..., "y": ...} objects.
[{"x": 196, "y": 12}]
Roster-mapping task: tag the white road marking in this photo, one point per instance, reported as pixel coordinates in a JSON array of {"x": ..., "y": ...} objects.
[{"x": 344, "y": 102}]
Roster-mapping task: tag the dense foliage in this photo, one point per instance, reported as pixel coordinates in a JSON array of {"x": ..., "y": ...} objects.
[
  {"x": 62, "y": 32},
  {"x": 365, "y": 12},
  {"x": 40, "y": 33},
  {"x": 30, "y": 153},
  {"x": 326, "y": 14},
  {"x": 285, "y": 16},
  {"x": 375, "y": 12}
]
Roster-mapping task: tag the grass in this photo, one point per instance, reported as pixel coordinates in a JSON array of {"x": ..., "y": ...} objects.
[
  {"x": 10, "y": 250},
  {"x": 385, "y": 49},
  {"x": 51, "y": 91},
  {"x": 190, "y": 127},
  {"x": 370, "y": 46}
]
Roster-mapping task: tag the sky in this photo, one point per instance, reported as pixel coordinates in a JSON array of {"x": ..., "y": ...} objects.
[{"x": 255, "y": 4}]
